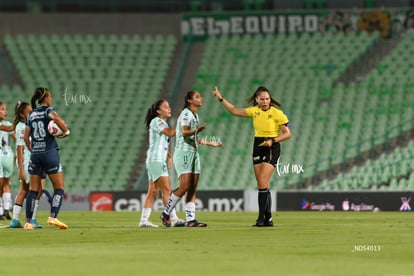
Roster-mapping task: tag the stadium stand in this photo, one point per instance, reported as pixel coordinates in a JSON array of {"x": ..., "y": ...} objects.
[
  {"x": 346, "y": 134},
  {"x": 102, "y": 86},
  {"x": 390, "y": 171}
]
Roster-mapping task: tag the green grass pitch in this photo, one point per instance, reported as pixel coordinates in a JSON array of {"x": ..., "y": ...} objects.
[{"x": 301, "y": 243}]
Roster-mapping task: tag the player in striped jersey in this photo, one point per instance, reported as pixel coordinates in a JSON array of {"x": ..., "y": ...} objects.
[
  {"x": 187, "y": 159},
  {"x": 6, "y": 164},
  {"x": 158, "y": 161},
  {"x": 271, "y": 127}
]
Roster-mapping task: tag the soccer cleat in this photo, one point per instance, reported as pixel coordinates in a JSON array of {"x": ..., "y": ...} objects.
[
  {"x": 259, "y": 223},
  {"x": 55, "y": 222},
  {"x": 28, "y": 226},
  {"x": 7, "y": 214},
  {"x": 36, "y": 224},
  {"x": 147, "y": 224},
  {"x": 195, "y": 223},
  {"x": 177, "y": 222},
  {"x": 165, "y": 219},
  {"x": 262, "y": 223},
  {"x": 15, "y": 223},
  {"x": 268, "y": 222}
]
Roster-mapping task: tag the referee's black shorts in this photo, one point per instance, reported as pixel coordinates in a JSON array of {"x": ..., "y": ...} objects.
[{"x": 265, "y": 154}]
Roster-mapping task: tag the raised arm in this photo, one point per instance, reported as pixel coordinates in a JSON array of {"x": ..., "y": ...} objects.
[{"x": 241, "y": 112}]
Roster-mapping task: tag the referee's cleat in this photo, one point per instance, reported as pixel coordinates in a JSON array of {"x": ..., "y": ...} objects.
[
  {"x": 262, "y": 223},
  {"x": 195, "y": 223},
  {"x": 268, "y": 223},
  {"x": 165, "y": 219},
  {"x": 15, "y": 223},
  {"x": 259, "y": 223},
  {"x": 55, "y": 222}
]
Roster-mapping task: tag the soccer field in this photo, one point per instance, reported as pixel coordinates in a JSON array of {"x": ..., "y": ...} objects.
[{"x": 302, "y": 243}]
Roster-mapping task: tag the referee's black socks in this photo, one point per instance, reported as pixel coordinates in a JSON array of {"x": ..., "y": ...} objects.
[
  {"x": 268, "y": 209},
  {"x": 263, "y": 196}
]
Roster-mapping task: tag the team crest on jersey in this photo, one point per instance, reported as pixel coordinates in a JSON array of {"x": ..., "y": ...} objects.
[{"x": 270, "y": 116}]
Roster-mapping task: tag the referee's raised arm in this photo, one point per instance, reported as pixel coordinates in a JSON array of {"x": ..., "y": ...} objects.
[{"x": 241, "y": 112}]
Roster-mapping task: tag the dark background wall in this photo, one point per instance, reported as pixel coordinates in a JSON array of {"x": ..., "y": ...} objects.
[{"x": 83, "y": 23}]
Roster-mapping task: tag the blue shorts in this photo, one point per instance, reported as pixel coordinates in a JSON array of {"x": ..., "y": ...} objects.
[{"x": 45, "y": 163}]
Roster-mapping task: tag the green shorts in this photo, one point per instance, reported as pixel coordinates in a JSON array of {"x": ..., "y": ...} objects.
[
  {"x": 156, "y": 169},
  {"x": 186, "y": 162},
  {"x": 6, "y": 164}
]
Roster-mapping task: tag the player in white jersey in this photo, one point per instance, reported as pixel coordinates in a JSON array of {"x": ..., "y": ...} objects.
[
  {"x": 22, "y": 110},
  {"x": 158, "y": 161},
  {"x": 187, "y": 160},
  {"x": 6, "y": 164}
]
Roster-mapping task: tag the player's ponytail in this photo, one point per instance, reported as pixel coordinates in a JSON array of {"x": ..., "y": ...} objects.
[
  {"x": 152, "y": 112},
  {"x": 38, "y": 96},
  {"x": 18, "y": 112}
]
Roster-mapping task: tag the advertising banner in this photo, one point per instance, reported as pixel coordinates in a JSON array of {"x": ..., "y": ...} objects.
[
  {"x": 199, "y": 26},
  {"x": 73, "y": 201},
  {"x": 345, "y": 201},
  {"x": 219, "y": 201},
  {"x": 246, "y": 201}
]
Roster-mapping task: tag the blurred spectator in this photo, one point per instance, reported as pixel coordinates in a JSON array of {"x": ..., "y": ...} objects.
[
  {"x": 336, "y": 22},
  {"x": 409, "y": 21},
  {"x": 375, "y": 21},
  {"x": 397, "y": 22}
]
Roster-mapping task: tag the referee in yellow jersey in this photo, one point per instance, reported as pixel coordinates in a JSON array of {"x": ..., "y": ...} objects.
[{"x": 270, "y": 128}]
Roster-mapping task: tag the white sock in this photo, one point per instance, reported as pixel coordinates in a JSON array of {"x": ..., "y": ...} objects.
[
  {"x": 1, "y": 206},
  {"x": 145, "y": 214},
  {"x": 7, "y": 201},
  {"x": 173, "y": 215},
  {"x": 171, "y": 204},
  {"x": 190, "y": 211},
  {"x": 16, "y": 211},
  {"x": 36, "y": 206}
]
